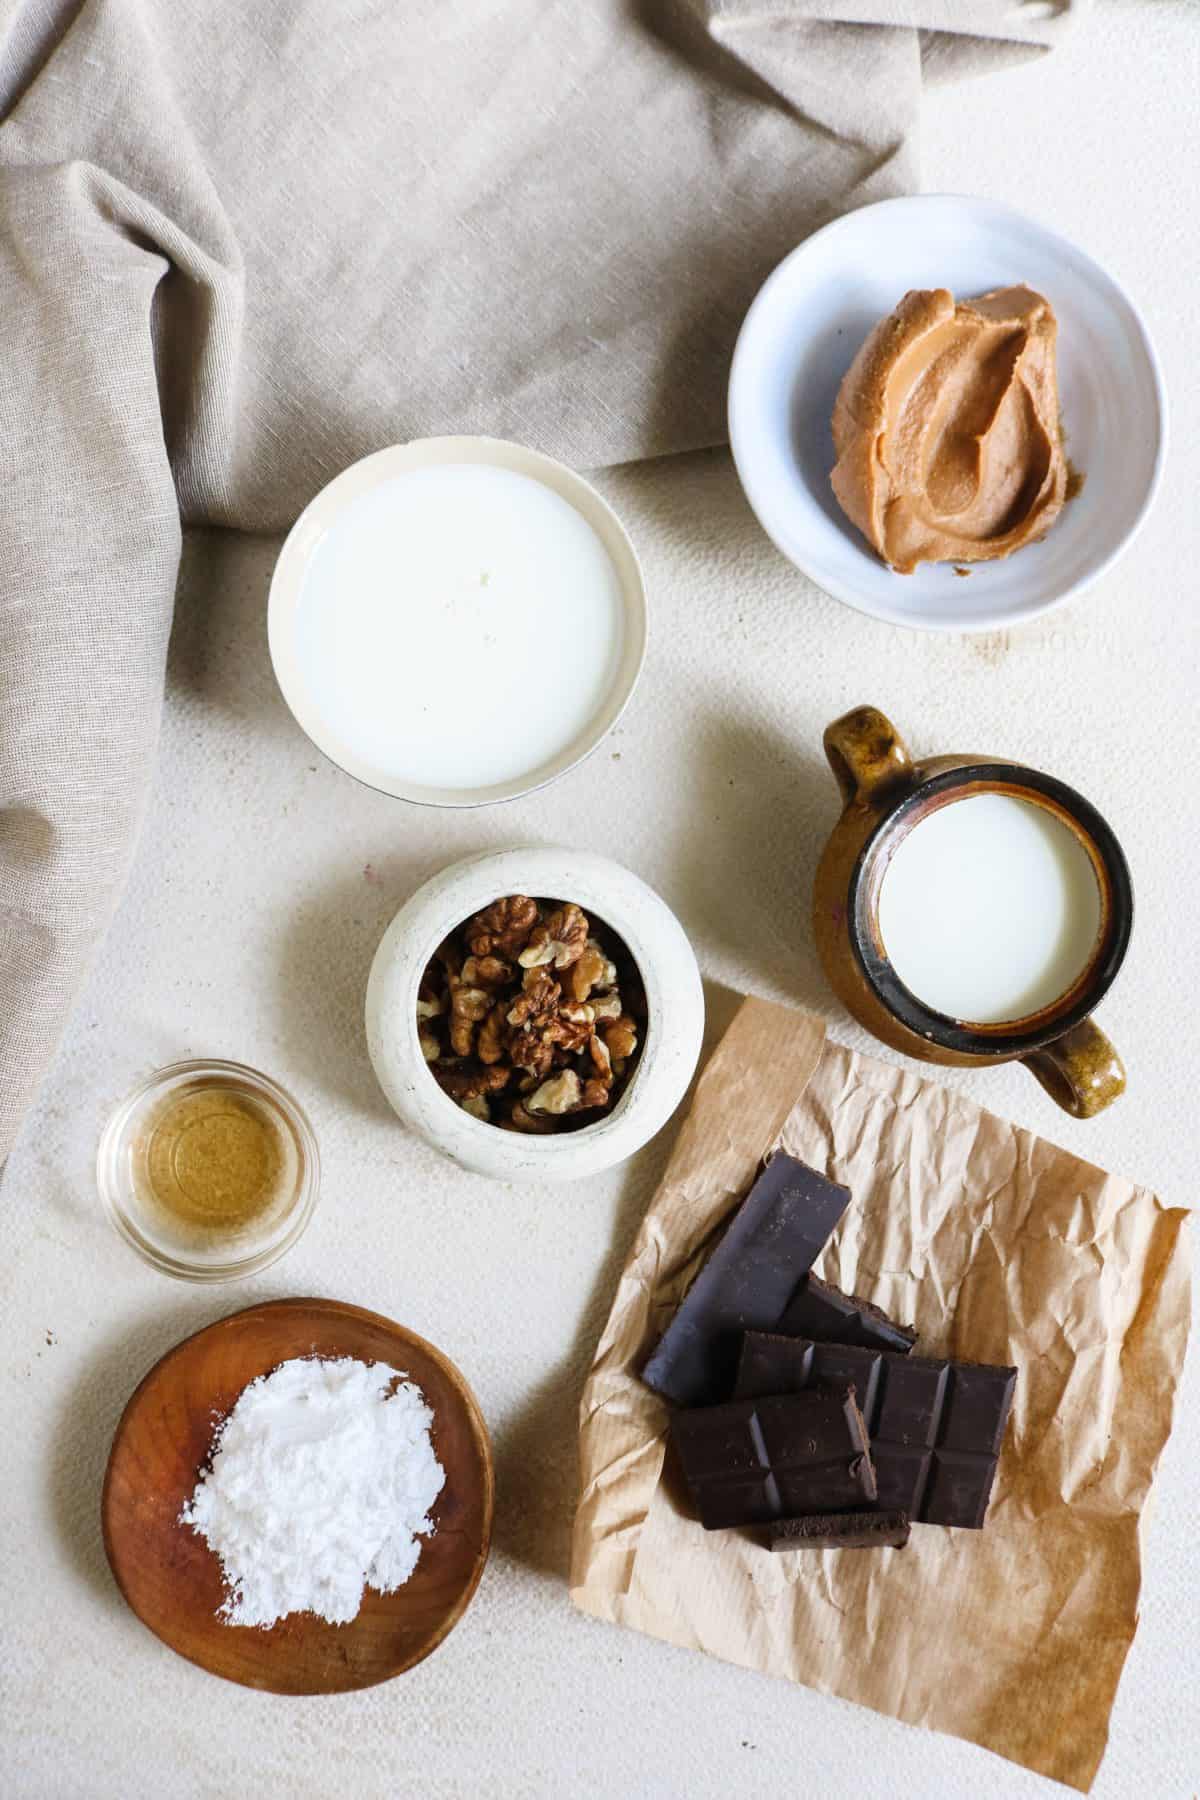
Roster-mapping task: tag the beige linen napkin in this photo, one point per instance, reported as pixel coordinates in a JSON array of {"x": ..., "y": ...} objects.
[
  {"x": 1000, "y": 1248},
  {"x": 243, "y": 244}
]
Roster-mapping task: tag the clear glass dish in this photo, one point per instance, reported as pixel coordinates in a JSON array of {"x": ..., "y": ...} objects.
[{"x": 209, "y": 1170}]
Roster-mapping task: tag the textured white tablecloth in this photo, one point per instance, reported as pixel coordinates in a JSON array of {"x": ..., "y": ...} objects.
[{"x": 264, "y": 880}]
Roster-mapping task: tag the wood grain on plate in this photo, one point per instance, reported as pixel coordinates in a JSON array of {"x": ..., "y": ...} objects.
[{"x": 172, "y": 1580}]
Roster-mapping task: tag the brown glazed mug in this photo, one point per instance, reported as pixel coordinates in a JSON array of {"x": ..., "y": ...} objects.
[{"x": 885, "y": 796}]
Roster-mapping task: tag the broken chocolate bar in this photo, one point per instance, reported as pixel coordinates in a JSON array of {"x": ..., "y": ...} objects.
[
  {"x": 750, "y": 1462},
  {"x": 747, "y": 1283},
  {"x": 841, "y": 1531},
  {"x": 935, "y": 1426},
  {"x": 824, "y": 1313}
]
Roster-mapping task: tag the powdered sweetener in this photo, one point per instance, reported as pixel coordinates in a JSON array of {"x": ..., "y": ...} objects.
[{"x": 321, "y": 1482}]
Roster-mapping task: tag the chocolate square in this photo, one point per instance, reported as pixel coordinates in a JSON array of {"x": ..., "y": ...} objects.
[
  {"x": 750, "y": 1462},
  {"x": 936, "y": 1426}
]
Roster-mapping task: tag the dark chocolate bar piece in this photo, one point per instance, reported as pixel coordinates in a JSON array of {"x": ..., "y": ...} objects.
[
  {"x": 750, "y": 1462},
  {"x": 935, "y": 1426},
  {"x": 841, "y": 1531},
  {"x": 824, "y": 1313},
  {"x": 779, "y": 1231}
]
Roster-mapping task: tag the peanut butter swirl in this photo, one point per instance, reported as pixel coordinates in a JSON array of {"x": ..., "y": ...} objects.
[{"x": 947, "y": 432}]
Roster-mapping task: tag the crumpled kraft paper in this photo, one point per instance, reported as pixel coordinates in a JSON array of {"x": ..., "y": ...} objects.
[{"x": 1000, "y": 1248}]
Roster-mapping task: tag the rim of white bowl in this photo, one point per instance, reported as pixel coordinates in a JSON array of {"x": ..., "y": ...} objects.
[
  {"x": 844, "y": 592},
  {"x": 291, "y": 565}
]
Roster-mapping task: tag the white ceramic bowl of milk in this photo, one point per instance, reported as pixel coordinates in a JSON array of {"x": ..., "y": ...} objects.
[{"x": 458, "y": 620}]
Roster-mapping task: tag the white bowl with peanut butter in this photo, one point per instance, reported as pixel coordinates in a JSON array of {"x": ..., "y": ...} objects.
[
  {"x": 535, "y": 1013},
  {"x": 946, "y": 415}
]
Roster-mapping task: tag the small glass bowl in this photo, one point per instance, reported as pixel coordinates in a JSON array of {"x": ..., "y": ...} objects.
[{"x": 169, "y": 1243}]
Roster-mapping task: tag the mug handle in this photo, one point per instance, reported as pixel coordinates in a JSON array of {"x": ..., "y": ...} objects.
[
  {"x": 1080, "y": 1070},
  {"x": 867, "y": 755}
]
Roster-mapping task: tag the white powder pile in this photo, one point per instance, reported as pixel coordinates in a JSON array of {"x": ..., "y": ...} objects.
[{"x": 322, "y": 1478}]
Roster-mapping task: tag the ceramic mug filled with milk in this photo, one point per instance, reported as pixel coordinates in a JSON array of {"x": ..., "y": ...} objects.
[{"x": 969, "y": 910}]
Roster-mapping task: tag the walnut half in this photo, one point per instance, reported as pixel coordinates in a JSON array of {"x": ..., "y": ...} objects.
[
  {"x": 468, "y": 1007},
  {"x": 561, "y": 1094},
  {"x": 502, "y": 928},
  {"x": 561, "y": 940},
  {"x": 621, "y": 1038}
]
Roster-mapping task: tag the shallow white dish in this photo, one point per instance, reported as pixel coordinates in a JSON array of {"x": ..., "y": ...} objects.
[
  {"x": 802, "y": 333},
  {"x": 458, "y": 620},
  {"x": 674, "y": 1006}
]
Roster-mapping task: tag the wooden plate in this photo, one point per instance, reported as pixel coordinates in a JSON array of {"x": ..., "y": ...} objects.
[{"x": 172, "y": 1580}]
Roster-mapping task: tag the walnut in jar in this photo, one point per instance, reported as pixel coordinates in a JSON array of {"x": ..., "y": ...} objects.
[{"x": 526, "y": 1015}]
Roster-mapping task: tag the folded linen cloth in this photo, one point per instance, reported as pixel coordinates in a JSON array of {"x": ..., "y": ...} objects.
[{"x": 241, "y": 246}]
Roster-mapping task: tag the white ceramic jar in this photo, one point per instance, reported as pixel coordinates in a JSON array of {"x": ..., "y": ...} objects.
[
  {"x": 424, "y": 548},
  {"x": 674, "y": 1002}
]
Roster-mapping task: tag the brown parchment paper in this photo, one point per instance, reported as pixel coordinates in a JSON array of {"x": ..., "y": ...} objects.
[{"x": 999, "y": 1247}]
